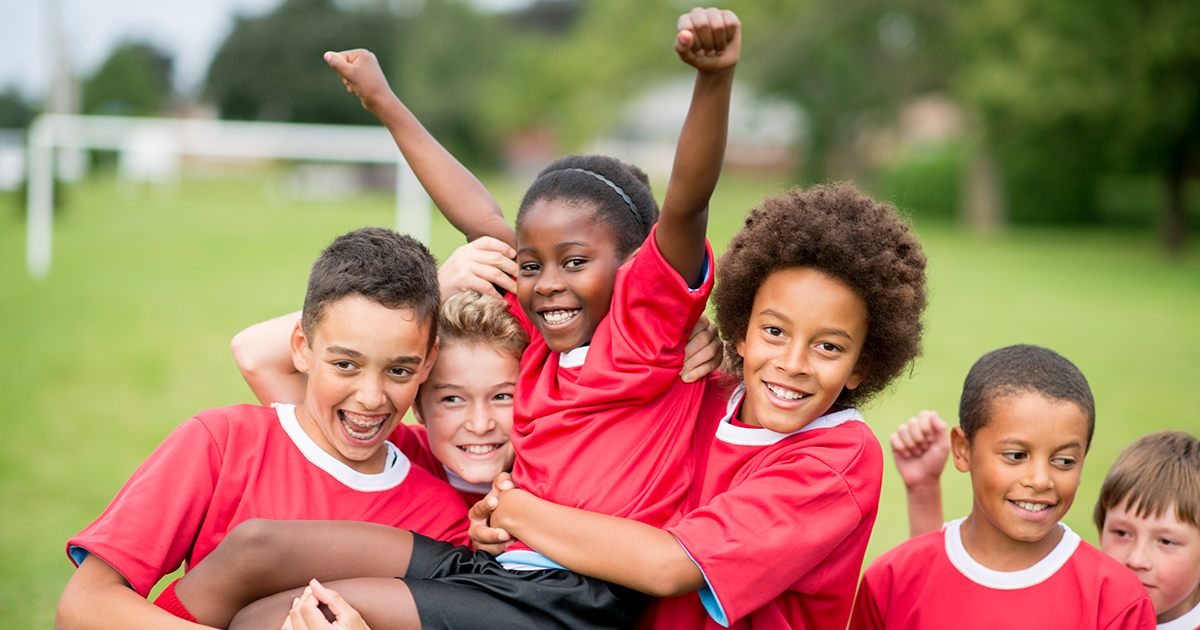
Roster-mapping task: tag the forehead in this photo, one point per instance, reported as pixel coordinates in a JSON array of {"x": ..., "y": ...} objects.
[
  {"x": 366, "y": 326},
  {"x": 806, "y": 294},
  {"x": 1035, "y": 420},
  {"x": 557, "y": 220},
  {"x": 473, "y": 364}
]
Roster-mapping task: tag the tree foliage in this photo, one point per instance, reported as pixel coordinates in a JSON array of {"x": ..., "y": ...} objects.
[{"x": 135, "y": 80}]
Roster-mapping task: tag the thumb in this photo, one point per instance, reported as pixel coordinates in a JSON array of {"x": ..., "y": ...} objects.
[{"x": 683, "y": 41}]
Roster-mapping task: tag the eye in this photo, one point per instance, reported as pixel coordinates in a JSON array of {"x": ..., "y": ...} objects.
[
  {"x": 530, "y": 268},
  {"x": 829, "y": 347},
  {"x": 773, "y": 331},
  {"x": 502, "y": 397},
  {"x": 451, "y": 399},
  {"x": 1063, "y": 462},
  {"x": 1015, "y": 456},
  {"x": 1120, "y": 533},
  {"x": 574, "y": 263},
  {"x": 401, "y": 372},
  {"x": 1167, "y": 542},
  {"x": 343, "y": 365}
]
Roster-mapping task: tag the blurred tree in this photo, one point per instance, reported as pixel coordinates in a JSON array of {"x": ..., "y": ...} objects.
[
  {"x": 15, "y": 111},
  {"x": 135, "y": 80},
  {"x": 271, "y": 67},
  {"x": 1073, "y": 89}
]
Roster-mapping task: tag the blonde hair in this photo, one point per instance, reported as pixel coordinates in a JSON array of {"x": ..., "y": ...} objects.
[
  {"x": 1153, "y": 473},
  {"x": 471, "y": 317}
]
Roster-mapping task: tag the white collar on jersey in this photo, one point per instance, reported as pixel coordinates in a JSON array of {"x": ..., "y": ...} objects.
[
  {"x": 462, "y": 485},
  {"x": 573, "y": 358},
  {"x": 395, "y": 470},
  {"x": 1189, "y": 621},
  {"x": 1007, "y": 580},
  {"x": 753, "y": 436}
]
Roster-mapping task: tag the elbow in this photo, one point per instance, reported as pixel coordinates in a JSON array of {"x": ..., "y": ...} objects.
[
  {"x": 676, "y": 575},
  {"x": 72, "y": 612}
]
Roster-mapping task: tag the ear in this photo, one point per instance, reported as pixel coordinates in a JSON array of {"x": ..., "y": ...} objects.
[
  {"x": 855, "y": 379},
  {"x": 300, "y": 349},
  {"x": 427, "y": 366},
  {"x": 961, "y": 449},
  {"x": 739, "y": 344},
  {"x": 416, "y": 409}
]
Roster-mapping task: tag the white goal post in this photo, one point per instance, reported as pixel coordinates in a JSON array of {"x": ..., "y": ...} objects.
[{"x": 164, "y": 141}]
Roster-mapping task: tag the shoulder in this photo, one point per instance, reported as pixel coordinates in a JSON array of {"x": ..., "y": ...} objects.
[
  {"x": 1112, "y": 577},
  {"x": 910, "y": 558}
]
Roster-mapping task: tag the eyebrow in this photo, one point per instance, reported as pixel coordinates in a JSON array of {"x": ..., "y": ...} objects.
[
  {"x": 557, "y": 248},
  {"x": 457, "y": 386},
  {"x": 1019, "y": 442},
  {"x": 832, "y": 331},
  {"x": 355, "y": 354}
]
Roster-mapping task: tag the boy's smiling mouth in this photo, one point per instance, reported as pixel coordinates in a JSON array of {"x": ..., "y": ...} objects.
[
  {"x": 479, "y": 449},
  {"x": 784, "y": 393},
  {"x": 361, "y": 427},
  {"x": 1032, "y": 510}
]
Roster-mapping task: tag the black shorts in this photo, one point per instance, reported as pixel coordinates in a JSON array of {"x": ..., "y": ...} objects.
[{"x": 457, "y": 588}]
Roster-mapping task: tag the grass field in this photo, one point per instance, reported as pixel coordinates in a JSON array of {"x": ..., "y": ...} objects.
[{"x": 129, "y": 336}]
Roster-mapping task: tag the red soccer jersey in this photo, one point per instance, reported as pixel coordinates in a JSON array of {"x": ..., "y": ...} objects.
[
  {"x": 607, "y": 427},
  {"x": 778, "y": 523},
  {"x": 931, "y": 582},
  {"x": 1189, "y": 621},
  {"x": 231, "y": 464},
  {"x": 413, "y": 441}
]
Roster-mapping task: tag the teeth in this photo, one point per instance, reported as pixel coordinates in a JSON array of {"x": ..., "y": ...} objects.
[
  {"x": 785, "y": 394},
  {"x": 1032, "y": 507},
  {"x": 558, "y": 317},
  {"x": 479, "y": 449},
  {"x": 370, "y": 428}
]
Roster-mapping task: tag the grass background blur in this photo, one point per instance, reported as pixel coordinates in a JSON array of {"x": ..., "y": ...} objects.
[{"x": 129, "y": 336}]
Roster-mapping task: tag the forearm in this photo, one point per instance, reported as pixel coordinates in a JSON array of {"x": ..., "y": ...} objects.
[
  {"x": 461, "y": 197},
  {"x": 263, "y": 355},
  {"x": 697, "y": 167},
  {"x": 97, "y": 598},
  {"x": 617, "y": 550},
  {"x": 924, "y": 508}
]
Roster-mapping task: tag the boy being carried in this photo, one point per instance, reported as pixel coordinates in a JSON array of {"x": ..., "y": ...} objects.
[
  {"x": 368, "y": 340},
  {"x": 1027, "y": 417}
]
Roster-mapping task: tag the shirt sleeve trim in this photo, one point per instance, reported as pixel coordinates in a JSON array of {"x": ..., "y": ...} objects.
[{"x": 708, "y": 596}]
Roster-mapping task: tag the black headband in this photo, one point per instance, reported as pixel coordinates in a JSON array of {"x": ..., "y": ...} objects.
[{"x": 632, "y": 208}]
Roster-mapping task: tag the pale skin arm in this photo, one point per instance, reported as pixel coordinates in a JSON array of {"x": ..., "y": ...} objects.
[
  {"x": 263, "y": 354},
  {"x": 710, "y": 40},
  {"x": 97, "y": 598},
  {"x": 920, "y": 448},
  {"x": 617, "y": 550},
  {"x": 458, "y": 194}
]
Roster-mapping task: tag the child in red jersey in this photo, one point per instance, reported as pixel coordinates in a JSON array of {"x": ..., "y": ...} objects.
[
  {"x": 1148, "y": 513},
  {"x": 1027, "y": 418},
  {"x": 369, "y": 339},
  {"x": 608, "y": 291},
  {"x": 819, "y": 299}
]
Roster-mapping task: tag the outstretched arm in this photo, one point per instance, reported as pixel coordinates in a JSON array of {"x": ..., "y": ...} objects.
[
  {"x": 919, "y": 448},
  {"x": 617, "y": 550},
  {"x": 709, "y": 40},
  {"x": 458, "y": 194}
]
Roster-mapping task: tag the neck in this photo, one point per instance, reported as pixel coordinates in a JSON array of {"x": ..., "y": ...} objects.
[
  {"x": 1182, "y": 608},
  {"x": 998, "y": 551}
]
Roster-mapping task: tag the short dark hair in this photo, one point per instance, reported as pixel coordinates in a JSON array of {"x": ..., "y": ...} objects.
[
  {"x": 1152, "y": 474},
  {"x": 387, "y": 268},
  {"x": 842, "y": 233},
  {"x": 565, "y": 179},
  {"x": 1022, "y": 369}
]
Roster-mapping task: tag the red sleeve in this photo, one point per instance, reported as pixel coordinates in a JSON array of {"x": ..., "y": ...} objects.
[
  {"x": 148, "y": 529},
  {"x": 514, "y": 307},
  {"x": 1137, "y": 616},
  {"x": 869, "y": 611},
  {"x": 770, "y": 531}
]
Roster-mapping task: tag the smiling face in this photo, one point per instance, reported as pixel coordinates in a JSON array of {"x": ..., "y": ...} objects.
[
  {"x": 467, "y": 405},
  {"x": 364, "y": 365},
  {"x": 805, "y": 335},
  {"x": 1162, "y": 551},
  {"x": 1025, "y": 466},
  {"x": 567, "y": 267}
]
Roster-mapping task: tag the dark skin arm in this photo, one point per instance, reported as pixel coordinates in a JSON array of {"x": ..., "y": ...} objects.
[
  {"x": 97, "y": 597},
  {"x": 617, "y": 550},
  {"x": 709, "y": 40},
  {"x": 458, "y": 194}
]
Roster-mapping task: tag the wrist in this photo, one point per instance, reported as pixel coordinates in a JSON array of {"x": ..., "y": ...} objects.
[{"x": 927, "y": 489}]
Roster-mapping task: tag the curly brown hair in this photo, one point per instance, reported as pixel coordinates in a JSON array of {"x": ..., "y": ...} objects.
[{"x": 839, "y": 231}]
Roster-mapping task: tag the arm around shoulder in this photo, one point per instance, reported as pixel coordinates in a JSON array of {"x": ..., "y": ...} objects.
[{"x": 263, "y": 355}]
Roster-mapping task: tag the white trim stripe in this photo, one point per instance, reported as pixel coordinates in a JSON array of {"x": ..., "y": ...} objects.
[
  {"x": 573, "y": 358},
  {"x": 1007, "y": 580},
  {"x": 394, "y": 473},
  {"x": 753, "y": 436},
  {"x": 1189, "y": 621}
]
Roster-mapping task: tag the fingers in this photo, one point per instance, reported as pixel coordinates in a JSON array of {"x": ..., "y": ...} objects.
[
  {"x": 703, "y": 353},
  {"x": 707, "y": 32},
  {"x": 479, "y": 265},
  {"x": 502, "y": 482}
]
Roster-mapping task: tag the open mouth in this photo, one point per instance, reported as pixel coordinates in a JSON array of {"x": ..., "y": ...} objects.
[
  {"x": 479, "y": 449},
  {"x": 360, "y": 427},
  {"x": 1032, "y": 507},
  {"x": 560, "y": 316},
  {"x": 784, "y": 393}
]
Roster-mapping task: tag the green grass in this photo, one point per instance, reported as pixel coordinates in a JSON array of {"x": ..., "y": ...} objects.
[{"x": 129, "y": 336}]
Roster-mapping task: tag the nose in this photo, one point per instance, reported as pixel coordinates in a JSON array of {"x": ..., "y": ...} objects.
[
  {"x": 480, "y": 420},
  {"x": 370, "y": 393},
  {"x": 795, "y": 360},
  {"x": 1138, "y": 560},
  {"x": 549, "y": 281},
  {"x": 1038, "y": 476}
]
